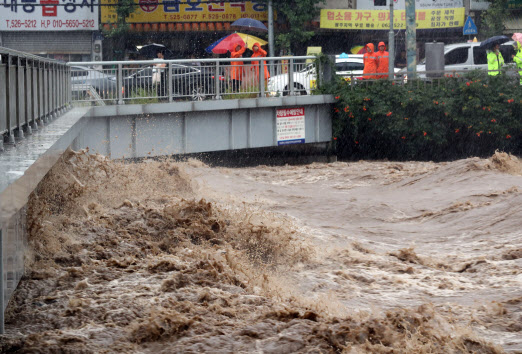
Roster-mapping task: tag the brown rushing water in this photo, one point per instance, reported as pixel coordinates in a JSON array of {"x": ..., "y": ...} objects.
[{"x": 365, "y": 257}]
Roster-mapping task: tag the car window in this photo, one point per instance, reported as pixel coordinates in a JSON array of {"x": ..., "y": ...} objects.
[
  {"x": 479, "y": 56},
  {"x": 75, "y": 72},
  {"x": 181, "y": 69},
  {"x": 349, "y": 66},
  {"x": 456, "y": 56}
]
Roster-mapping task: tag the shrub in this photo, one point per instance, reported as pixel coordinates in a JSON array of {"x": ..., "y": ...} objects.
[{"x": 450, "y": 118}]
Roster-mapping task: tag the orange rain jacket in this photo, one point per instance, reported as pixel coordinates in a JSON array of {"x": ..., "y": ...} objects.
[
  {"x": 236, "y": 72},
  {"x": 383, "y": 60},
  {"x": 260, "y": 53},
  {"x": 370, "y": 62}
]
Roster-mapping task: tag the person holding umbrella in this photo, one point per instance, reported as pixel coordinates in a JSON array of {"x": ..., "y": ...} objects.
[
  {"x": 495, "y": 60},
  {"x": 236, "y": 72}
]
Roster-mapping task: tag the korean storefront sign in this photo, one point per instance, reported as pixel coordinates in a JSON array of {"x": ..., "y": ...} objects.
[
  {"x": 419, "y": 4},
  {"x": 49, "y": 15},
  {"x": 380, "y": 19},
  {"x": 187, "y": 11}
]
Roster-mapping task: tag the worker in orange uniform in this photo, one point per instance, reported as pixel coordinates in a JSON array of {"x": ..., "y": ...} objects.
[
  {"x": 383, "y": 61},
  {"x": 370, "y": 62},
  {"x": 258, "y": 52},
  {"x": 236, "y": 71}
]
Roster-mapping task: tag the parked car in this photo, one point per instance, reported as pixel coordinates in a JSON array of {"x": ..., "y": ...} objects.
[
  {"x": 84, "y": 80},
  {"x": 194, "y": 82},
  {"x": 347, "y": 66},
  {"x": 462, "y": 57}
]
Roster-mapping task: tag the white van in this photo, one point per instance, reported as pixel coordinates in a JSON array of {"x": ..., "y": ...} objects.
[{"x": 468, "y": 56}]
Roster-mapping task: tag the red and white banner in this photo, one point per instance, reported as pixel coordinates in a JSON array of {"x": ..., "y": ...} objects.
[
  {"x": 49, "y": 15},
  {"x": 290, "y": 126}
]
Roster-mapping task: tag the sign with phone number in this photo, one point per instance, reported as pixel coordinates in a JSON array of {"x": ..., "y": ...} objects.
[
  {"x": 187, "y": 11},
  {"x": 380, "y": 19},
  {"x": 73, "y": 15}
]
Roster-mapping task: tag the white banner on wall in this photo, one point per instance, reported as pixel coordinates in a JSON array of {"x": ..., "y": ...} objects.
[
  {"x": 419, "y": 4},
  {"x": 290, "y": 126},
  {"x": 49, "y": 15}
]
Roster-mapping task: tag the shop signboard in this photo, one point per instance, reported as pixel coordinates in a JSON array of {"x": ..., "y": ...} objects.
[
  {"x": 290, "y": 126},
  {"x": 419, "y": 4},
  {"x": 514, "y": 4},
  {"x": 187, "y": 11},
  {"x": 49, "y": 15},
  {"x": 380, "y": 19}
]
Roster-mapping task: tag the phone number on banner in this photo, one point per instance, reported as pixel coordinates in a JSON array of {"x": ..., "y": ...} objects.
[{"x": 50, "y": 24}]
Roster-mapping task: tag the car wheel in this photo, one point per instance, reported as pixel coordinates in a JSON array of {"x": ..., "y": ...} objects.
[
  {"x": 299, "y": 90},
  {"x": 197, "y": 94}
]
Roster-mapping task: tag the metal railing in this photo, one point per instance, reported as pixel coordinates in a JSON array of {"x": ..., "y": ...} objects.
[
  {"x": 434, "y": 77},
  {"x": 33, "y": 90},
  {"x": 147, "y": 81}
]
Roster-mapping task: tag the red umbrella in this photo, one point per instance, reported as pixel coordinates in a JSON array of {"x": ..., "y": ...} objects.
[{"x": 223, "y": 45}]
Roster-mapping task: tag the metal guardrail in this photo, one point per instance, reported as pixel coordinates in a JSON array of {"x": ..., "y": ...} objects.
[
  {"x": 33, "y": 90},
  {"x": 432, "y": 77},
  {"x": 119, "y": 82}
]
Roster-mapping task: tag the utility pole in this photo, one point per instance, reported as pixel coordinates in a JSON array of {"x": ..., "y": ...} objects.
[
  {"x": 270, "y": 29},
  {"x": 270, "y": 34},
  {"x": 391, "y": 46},
  {"x": 411, "y": 39}
]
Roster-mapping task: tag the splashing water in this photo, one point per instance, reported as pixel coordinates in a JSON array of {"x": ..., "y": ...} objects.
[{"x": 374, "y": 257}]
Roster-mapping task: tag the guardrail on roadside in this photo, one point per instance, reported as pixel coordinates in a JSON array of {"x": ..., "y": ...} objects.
[
  {"x": 432, "y": 77},
  {"x": 147, "y": 81},
  {"x": 33, "y": 90}
]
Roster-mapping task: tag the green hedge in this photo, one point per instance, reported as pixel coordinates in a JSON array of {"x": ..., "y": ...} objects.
[{"x": 451, "y": 118}]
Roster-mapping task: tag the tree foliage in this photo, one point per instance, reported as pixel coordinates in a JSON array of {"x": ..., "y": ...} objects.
[
  {"x": 297, "y": 14},
  {"x": 123, "y": 9},
  {"x": 493, "y": 18}
]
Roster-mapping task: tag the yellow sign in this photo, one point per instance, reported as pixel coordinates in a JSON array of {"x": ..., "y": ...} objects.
[
  {"x": 152, "y": 11},
  {"x": 380, "y": 19}
]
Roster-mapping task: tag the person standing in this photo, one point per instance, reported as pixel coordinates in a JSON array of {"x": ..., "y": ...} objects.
[
  {"x": 383, "y": 60},
  {"x": 258, "y": 52},
  {"x": 495, "y": 60},
  {"x": 370, "y": 62},
  {"x": 158, "y": 74},
  {"x": 517, "y": 58},
  {"x": 237, "y": 68}
]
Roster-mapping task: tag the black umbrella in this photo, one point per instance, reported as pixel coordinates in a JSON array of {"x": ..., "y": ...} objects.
[
  {"x": 249, "y": 24},
  {"x": 151, "y": 50},
  {"x": 491, "y": 42}
]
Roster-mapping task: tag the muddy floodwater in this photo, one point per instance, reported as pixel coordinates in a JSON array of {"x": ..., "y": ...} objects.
[{"x": 359, "y": 257}]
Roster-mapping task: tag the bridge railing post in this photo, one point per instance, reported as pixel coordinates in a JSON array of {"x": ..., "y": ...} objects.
[
  {"x": 169, "y": 82},
  {"x": 119, "y": 79},
  {"x": 217, "y": 82},
  {"x": 261, "y": 67},
  {"x": 291, "y": 77}
]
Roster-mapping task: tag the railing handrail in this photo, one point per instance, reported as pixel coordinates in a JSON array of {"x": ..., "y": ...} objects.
[
  {"x": 8, "y": 51},
  {"x": 166, "y": 61}
]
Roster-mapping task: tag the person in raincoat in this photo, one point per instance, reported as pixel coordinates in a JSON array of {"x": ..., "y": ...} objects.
[
  {"x": 383, "y": 60},
  {"x": 517, "y": 58},
  {"x": 258, "y": 52},
  {"x": 495, "y": 60},
  {"x": 236, "y": 71},
  {"x": 370, "y": 62}
]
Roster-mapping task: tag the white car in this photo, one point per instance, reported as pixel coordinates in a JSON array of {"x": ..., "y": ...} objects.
[
  {"x": 462, "y": 57},
  {"x": 346, "y": 65}
]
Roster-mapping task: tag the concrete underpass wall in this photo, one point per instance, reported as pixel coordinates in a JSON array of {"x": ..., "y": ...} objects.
[{"x": 134, "y": 131}]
